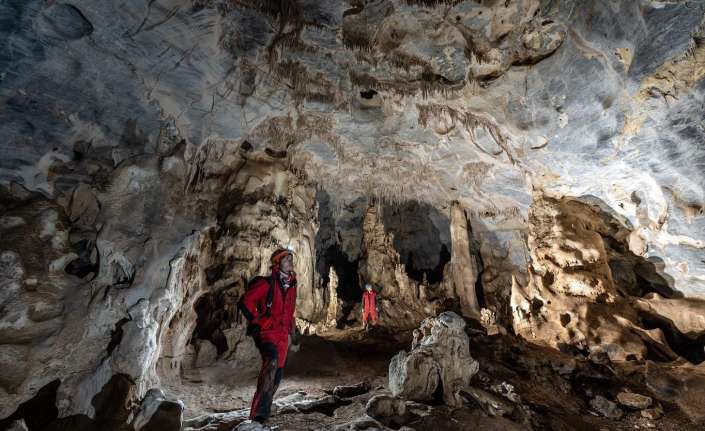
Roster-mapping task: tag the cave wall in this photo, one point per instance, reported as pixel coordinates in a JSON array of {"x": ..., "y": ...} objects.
[{"x": 589, "y": 292}]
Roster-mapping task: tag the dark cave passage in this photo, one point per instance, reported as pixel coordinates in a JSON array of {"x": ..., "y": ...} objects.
[
  {"x": 421, "y": 237},
  {"x": 348, "y": 280},
  {"x": 213, "y": 316},
  {"x": 690, "y": 347}
]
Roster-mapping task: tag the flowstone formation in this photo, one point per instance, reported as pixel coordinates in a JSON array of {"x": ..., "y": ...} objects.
[
  {"x": 532, "y": 165},
  {"x": 439, "y": 362}
]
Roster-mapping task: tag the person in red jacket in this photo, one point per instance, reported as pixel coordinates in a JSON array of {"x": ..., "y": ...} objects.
[
  {"x": 369, "y": 305},
  {"x": 271, "y": 324}
]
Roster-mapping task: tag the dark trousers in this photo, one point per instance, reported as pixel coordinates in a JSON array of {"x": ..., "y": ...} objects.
[{"x": 270, "y": 376}]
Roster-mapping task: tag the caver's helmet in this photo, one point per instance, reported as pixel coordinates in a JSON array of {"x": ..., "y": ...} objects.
[
  {"x": 368, "y": 286},
  {"x": 278, "y": 255}
]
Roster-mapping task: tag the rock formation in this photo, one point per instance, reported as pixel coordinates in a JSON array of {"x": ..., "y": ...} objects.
[{"x": 439, "y": 362}]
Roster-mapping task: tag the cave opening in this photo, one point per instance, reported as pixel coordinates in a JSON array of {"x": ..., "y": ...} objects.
[
  {"x": 421, "y": 237},
  {"x": 637, "y": 275},
  {"x": 348, "y": 279},
  {"x": 690, "y": 347},
  {"x": 432, "y": 275},
  {"x": 212, "y": 318},
  {"x": 37, "y": 412}
]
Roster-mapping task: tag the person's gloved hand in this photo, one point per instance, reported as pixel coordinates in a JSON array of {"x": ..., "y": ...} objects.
[
  {"x": 253, "y": 330},
  {"x": 295, "y": 336}
]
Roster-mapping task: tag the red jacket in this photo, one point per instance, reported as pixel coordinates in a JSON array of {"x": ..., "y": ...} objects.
[
  {"x": 369, "y": 302},
  {"x": 281, "y": 313}
]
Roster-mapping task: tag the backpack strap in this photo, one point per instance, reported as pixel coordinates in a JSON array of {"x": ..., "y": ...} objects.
[
  {"x": 270, "y": 295},
  {"x": 268, "y": 304}
]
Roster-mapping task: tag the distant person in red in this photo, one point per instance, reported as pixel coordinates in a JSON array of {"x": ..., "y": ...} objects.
[
  {"x": 268, "y": 305},
  {"x": 369, "y": 306}
]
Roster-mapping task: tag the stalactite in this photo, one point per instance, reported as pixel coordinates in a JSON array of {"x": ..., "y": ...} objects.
[
  {"x": 429, "y": 85},
  {"x": 433, "y": 3},
  {"x": 469, "y": 121}
]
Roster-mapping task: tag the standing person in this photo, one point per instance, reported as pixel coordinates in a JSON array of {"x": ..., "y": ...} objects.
[
  {"x": 369, "y": 306},
  {"x": 269, "y": 305}
]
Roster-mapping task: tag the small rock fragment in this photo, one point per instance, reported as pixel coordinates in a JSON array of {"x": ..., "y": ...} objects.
[
  {"x": 362, "y": 424},
  {"x": 351, "y": 390},
  {"x": 489, "y": 402},
  {"x": 653, "y": 413},
  {"x": 507, "y": 391},
  {"x": 250, "y": 425},
  {"x": 18, "y": 425}
]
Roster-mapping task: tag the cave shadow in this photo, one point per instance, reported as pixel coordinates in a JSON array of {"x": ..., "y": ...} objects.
[
  {"x": 329, "y": 254},
  {"x": 318, "y": 356},
  {"x": 636, "y": 276},
  {"x": 213, "y": 316},
  {"x": 111, "y": 406},
  {"x": 649, "y": 273},
  {"x": 421, "y": 237}
]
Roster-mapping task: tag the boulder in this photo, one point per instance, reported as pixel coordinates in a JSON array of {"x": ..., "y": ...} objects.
[
  {"x": 206, "y": 355},
  {"x": 440, "y": 356},
  {"x": 414, "y": 376},
  {"x": 351, "y": 390},
  {"x": 606, "y": 408},
  {"x": 635, "y": 401},
  {"x": 250, "y": 425},
  {"x": 391, "y": 412},
  {"x": 384, "y": 406},
  {"x": 490, "y": 403},
  {"x": 157, "y": 413}
]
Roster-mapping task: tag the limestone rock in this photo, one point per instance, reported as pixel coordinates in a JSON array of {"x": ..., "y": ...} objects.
[
  {"x": 383, "y": 406},
  {"x": 362, "y": 424},
  {"x": 635, "y": 401},
  {"x": 653, "y": 414},
  {"x": 400, "y": 297},
  {"x": 13, "y": 366},
  {"x": 18, "y": 426},
  {"x": 156, "y": 412},
  {"x": 414, "y": 376},
  {"x": 679, "y": 382},
  {"x": 490, "y": 403},
  {"x": 351, "y": 390},
  {"x": 606, "y": 408},
  {"x": 440, "y": 355},
  {"x": 206, "y": 354},
  {"x": 128, "y": 198},
  {"x": 463, "y": 268},
  {"x": 251, "y": 426}
]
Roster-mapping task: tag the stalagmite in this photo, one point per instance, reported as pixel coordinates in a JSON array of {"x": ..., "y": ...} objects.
[{"x": 464, "y": 276}]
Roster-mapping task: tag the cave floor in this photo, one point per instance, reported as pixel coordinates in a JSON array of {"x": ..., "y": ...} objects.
[
  {"x": 555, "y": 387},
  {"x": 338, "y": 357}
]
